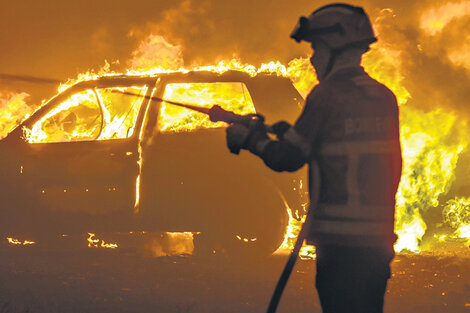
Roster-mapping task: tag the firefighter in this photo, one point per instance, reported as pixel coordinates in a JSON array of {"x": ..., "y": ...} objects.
[{"x": 348, "y": 134}]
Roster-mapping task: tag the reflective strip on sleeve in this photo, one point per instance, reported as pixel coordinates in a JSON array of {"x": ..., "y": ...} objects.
[
  {"x": 359, "y": 147},
  {"x": 299, "y": 141},
  {"x": 355, "y": 229},
  {"x": 365, "y": 212},
  {"x": 353, "y": 150}
]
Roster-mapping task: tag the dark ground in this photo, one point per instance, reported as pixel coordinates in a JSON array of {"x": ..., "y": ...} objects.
[{"x": 94, "y": 280}]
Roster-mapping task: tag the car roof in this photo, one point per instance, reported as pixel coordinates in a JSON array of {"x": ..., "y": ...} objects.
[
  {"x": 267, "y": 87},
  {"x": 175, "y": 77}
]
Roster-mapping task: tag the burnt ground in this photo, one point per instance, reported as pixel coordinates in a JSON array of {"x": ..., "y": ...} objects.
[{"x": 94, "y": 280}]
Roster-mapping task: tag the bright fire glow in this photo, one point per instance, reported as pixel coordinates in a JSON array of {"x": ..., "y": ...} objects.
[
  {"x": 431, "y": 148},
  {"x": 457, "y": 214},
  {"x": 93, "y": 114},
  {"x": 230, "y": 96},
  {"x": 13, "y": 109}
]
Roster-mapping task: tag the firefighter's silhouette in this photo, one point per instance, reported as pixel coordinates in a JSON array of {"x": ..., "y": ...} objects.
[{"x": 348, "y": 134}]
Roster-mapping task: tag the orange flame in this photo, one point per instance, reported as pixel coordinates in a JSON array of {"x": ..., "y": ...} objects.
[
  {"x": 13, "y": 109},
  {"x": 95, "y": 242},
  {"x": 15, "y": 241}
]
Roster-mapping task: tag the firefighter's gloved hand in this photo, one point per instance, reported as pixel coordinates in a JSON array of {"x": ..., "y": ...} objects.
[
  {"x": 280, "y": 128},
  {"x": 237, "y": 137},
  {"x": 258, "y": 137}
]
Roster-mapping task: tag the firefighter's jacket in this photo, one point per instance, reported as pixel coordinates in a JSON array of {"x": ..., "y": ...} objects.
[{"x": 348, "y": 133}]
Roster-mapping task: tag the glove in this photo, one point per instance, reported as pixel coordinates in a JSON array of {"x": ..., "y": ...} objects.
[
  {"x": 237, "y": 135},
  {"x": 257, "y": 134},
  {"x": 280, "y": 128}
]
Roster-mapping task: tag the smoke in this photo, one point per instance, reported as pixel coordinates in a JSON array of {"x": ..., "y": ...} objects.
[
  {"x": 155, "y": 52},
  {"x": 428, "y": 42}
]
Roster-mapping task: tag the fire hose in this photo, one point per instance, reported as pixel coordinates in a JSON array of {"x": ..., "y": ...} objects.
[{"x": 216, "y": 114}]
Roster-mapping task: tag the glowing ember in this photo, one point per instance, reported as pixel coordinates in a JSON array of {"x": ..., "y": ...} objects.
[{"x": 95, "y": 242}]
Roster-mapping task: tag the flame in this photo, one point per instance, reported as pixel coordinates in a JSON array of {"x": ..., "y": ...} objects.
[
  {"x": 100, "y": 114},
  {"x": 230, "y": 96},
  {"x": 431, "y": 147},
  {"x": 15, "y": 241},
  {"x": 457, "y": 214},
  {"x": 95, "y": 243},
  {"x": 13, "y": 109}
]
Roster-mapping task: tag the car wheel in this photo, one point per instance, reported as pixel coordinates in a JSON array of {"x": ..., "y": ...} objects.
[{"x": 261, "y": 241}]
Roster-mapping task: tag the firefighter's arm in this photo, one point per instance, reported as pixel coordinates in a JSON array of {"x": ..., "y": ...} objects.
[
  {"x": 284, "y": 154},
  {"x": 294, "y": 145}
]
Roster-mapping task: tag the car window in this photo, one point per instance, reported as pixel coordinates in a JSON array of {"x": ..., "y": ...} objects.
[
  {"x": 78, "y": 118},
  {"x": 233, "y": 96},
  {"x": 92, "y": 114},
  {"x": 121, "y": 107}
]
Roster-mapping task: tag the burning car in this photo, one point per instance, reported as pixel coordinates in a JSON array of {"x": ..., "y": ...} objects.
[{"x": 103, "y": 156}]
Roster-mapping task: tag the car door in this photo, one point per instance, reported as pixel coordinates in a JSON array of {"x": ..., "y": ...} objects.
[
  {"x": 80, "y": 158},
  {"x": 184, "y": 184}
]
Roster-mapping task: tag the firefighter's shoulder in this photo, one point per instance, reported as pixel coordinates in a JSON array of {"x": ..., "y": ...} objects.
[{"x": 374, "y": 88}]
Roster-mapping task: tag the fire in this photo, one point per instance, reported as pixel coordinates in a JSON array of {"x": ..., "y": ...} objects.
[
  {"x": 457, "y": 214},
  {"x": 13, "y": 109},
  {"x": 15, "y": 241},
  {"x": 173, "y": 118},
  {"x": 432, "y": 141},
  {"x": 95, "y": 242},
  {"x": 430, "y": 152},
  {"x": 77, "y": 117}
]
